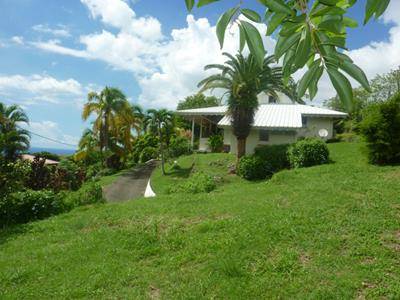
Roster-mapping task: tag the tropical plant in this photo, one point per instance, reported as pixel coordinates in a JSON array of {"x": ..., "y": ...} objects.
[
  {"x": 244, "y": 79},
  {"x": 13, "y": 139},
  {"x": 161, "y": 123},
  {"x": 88, "y": 146},
  {"x": 114, "y": 119},
  {"x": 198, "y": 101},
  {"x": 310, "y": 32}
]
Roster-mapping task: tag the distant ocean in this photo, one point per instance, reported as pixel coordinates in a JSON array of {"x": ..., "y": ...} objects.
[{"x": 52, "y": 150}]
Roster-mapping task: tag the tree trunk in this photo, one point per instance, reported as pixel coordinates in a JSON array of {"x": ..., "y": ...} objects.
[
  {"x": 241, "y": 148},
  {"x": 162, "y": 152}
]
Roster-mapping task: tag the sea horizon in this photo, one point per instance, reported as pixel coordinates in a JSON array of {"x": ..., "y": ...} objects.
[{"x": 57, "y": 151}]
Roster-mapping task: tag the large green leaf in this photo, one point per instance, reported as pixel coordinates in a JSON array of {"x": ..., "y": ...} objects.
[
  {"x": 342, "y": 86},
  {"x": 278, "y": 6},
  {"x": 189, "y": 4},
  {"x": 205, "y": 2},
  {"x": 223, "y": 23},
  {"x": 307, "y": 78},
  {"x": 285, "y": 43},
  {"x": 251, "y": 15},
  {"x": 313, "y": 86},
  {"x": 303, "y": 50},
  {"x": 254, "y": 41},
  {"x": 355, "y": 72},
  {"x": 275, "y": 21},
  {"x": 375, "y": 7}
]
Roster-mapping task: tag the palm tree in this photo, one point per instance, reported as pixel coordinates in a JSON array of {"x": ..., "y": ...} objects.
[
  {"x": 160, "y": 122},
  {"x": 243, "y": 79},
  {"x": 13, "y": 139},
  {"x": 113, "y": 112},
  {"x": 89, "y": 143}
]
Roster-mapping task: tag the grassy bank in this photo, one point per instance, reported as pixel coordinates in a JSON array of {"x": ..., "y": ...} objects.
[{"x": 331, "y": 231}]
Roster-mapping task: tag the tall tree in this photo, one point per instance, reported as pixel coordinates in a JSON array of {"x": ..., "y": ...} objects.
[
  {"x": 244, "y": 79},
  {"x": 112, "y": 111},
  {"x": 198, "y": 101},
  {"x": 310, "y": 33},
  {"x": 13, "y": 139},
  {"x": 160, "y": 122}
]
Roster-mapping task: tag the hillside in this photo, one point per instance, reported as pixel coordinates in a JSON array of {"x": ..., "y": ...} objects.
[{"x": 331, "y": 231}]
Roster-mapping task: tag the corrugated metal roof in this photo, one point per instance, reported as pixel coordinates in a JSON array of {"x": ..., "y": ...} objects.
[
  {"x": 270, "y": 115},
  {"x": 215, "y": 110}
]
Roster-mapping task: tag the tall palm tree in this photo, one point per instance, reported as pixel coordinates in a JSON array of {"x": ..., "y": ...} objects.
[
  {"x": 160, "y": 122},
  {"x": 112, "y": 111},
  {"x": 89, "y": 143},
  {"x": 13, "y": 139},
  {"x": 243, "y": 80}
]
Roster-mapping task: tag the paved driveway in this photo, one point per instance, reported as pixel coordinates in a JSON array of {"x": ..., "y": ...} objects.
[{"x": 131, "y": 185}]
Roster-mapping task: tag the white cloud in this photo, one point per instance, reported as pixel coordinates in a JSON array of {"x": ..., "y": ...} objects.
[
  {"x": 36, "y": 89},
  {"x": 18, "y": 40},
  {"x": 168, "y": 68},
  {"x": 59, "y": 31},
  {"x": 52, "y": 131}
]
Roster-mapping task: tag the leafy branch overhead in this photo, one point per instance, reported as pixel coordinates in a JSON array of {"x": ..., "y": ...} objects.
[{"x": 310, "y": 33}]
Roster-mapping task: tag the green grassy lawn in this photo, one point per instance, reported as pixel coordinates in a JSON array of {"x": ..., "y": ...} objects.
[
  {"x": 107, "y": 180},
  {"x": 327, "y": 232}
]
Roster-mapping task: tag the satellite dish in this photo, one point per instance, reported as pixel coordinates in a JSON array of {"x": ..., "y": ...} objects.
[{"x": 323, "y": 133}]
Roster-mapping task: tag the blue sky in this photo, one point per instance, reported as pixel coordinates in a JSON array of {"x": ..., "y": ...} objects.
[{"x": 53, "y": 52}]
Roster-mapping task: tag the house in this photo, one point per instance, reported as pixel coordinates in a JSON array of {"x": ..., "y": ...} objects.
[
  {"x": 31, "y": 158},
  {"x": 277, "y": 121}
]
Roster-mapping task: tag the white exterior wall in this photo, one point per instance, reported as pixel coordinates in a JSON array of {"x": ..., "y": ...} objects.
[{"x": 314, "y": 125}]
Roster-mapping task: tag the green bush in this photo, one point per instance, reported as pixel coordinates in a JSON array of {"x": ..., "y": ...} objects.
[
  {"x": 197, "y": 183},
  {"x": 216, "y": 143},
  {"x": 381, "y": 128},
  {"x": 68, "y": 175},
  {"x": 147, "y": 154},
  {"x": 254, "y": 168},
  {"x": 179, "y": 145},
  {"x": 13, "y": 176},
  {"x": 89, "y": 193},
  {"x": 22, "y": 207},
  {"x": 275, "y": 155},
  {"x": 349, "y": 137},
  {"x": 308, "y": 152},
  {"x": 47, "y": 155},
  {"x": 145, "y": 141}
]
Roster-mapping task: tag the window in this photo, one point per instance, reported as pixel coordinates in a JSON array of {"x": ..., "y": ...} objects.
[
  {"x": 272, "y": 99},
  {"x": 304, "y": 121},
  {"x": 263, "y": 135}
]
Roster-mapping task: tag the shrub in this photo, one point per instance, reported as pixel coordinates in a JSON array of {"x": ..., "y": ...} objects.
[
  {"x": 147, "y": 154},
  {"x": 13, "y": 176},
  {"x": 47, "y": 155},
  {"x": 308, "y": 152},
  {"x": 89, "y": 193},
  {"x": 22, "y": 207},
  {"x": 68, "y": 176},
  {"x": 216, "y": 143},
  {"x": 349, "y": 137},
  {"x": 381, "y": 129},
  {"x": 275, "y": 155},
  {"x": 197, "y": 183},
  {"x": 93, "y": 170},
  {"x": 145, "y": 141},
  {"x": 254, "y": 168},
  {"x": 179, "y": 146},
  {"x": 40, "y": 175}
]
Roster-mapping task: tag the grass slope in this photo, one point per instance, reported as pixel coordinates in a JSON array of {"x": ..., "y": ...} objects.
[{"x": 331, "y": 231}]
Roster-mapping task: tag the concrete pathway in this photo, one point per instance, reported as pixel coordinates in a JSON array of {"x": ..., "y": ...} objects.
[{"x": 131, "y": 185}]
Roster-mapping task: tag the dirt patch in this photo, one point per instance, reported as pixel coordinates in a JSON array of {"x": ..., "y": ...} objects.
[
  {"x": 363, "y": 291},
  {"x": 154, "y": 293},
  {"x": 304, "y": 259},
  {"x": 392, "y": 241},
  {"x": 392, "y": 175}
]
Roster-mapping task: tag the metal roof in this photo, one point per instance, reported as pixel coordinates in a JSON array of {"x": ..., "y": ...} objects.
[{"x": 271, "y": 115}]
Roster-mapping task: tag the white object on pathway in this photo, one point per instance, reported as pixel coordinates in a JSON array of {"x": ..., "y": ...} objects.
[{"x": 149, "y": 193}]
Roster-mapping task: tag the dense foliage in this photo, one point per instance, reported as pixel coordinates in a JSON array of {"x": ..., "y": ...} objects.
[
  {"x": 254, "y": 168},
  {"x": 197, "y": 101},
  {"x": 381, "y": 129},
  {"x": 311, "y": 33},
  {"x": 308, "y": 152},
  {"x": 199, "y": 182},
  {"x": 216, "y": 143},
  {"x": 178, "y": 146},
  {"x": 275, "y": 155},
  {"x": 13, "y": 138}
]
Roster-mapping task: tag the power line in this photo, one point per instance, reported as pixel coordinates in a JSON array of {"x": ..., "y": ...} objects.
[{"x": 43, "y": 137}]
